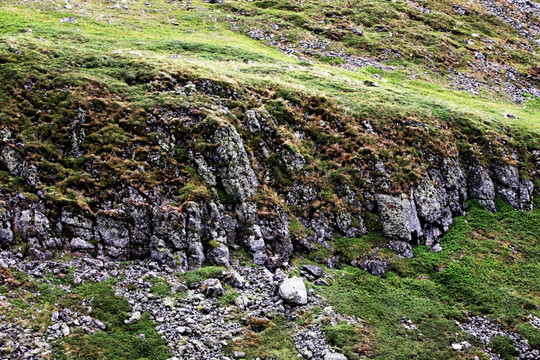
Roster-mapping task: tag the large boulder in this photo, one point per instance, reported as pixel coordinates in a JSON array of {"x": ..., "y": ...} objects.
[{"x": 293, "y": 291}]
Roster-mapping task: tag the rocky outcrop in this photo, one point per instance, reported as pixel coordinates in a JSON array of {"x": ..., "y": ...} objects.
[
  {"x": 510, "y": 188},
  {"x": 425, "y": 215},
  {"x": 232, "y": 164},
  {"x": 245, "y": 202},
  {"x": 17, "y": 166}
]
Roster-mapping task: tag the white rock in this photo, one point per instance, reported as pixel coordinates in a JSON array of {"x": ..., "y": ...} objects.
[
  {"x": 293, "y": 290},
  {"x": 335, "y": 356}
]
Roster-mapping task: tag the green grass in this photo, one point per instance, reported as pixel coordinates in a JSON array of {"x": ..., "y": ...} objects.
[
  {"x": 489, "y": 266},
  {"x": 160, "y": 287},
  {"x": 268, "y": 339},
  {"x": 199, "y": 275},
  {"x": 119, "y": 341},
  {"x": 504, "y": 346},
  {"x": 346, "y": 338},
  {"x": 123, "y": 342}
]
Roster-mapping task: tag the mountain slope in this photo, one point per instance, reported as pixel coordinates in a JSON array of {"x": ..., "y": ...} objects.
[{"x": 184, "y": 132}]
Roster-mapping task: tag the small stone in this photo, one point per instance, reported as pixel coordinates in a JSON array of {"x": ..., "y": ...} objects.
[
  {"x": 314, "y": 270},
  {"x": 65, "y": 330},
  {"x": 134, "y": 318},
  {"x": 54, "y": 317},
  {"x": 236, "y": 280},
  {"x": 371, "y": 83},
  {"x": 436, "y": 248},
  {"x": 321, "y": 282},
  {"x": 70, "y": 19},
  {"x": 100, "y": 324},
  {"x": 212, "y": 288},
  {"x": 239, "y": 355}
]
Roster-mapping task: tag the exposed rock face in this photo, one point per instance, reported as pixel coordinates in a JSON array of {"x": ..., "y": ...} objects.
[
  {"x": 232, "y": 164},
  {"x": 426, "y": 214},
  {"x": 399, "y": 217},
  {"x": 16, "y": 165},
  {"x": 480, "y": 185},
  {"x": 234, "y": 211},
  {"x": 6, "y": 234}
]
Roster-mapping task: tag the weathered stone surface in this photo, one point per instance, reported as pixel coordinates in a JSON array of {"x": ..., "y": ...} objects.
[
  {"x": 401, "y": 247},
  {"x": 293, "y": 291},
  {"x": 111, "y": 227},
  {"x": 344, "y": 224},
  {"x": 375, "y": 267},
  {"x": 314, "y": 270},
  {"x": 212, "y": 288},
  {"x": 232, "y": 164},
  {"x": 77, "y": 225},
  {"x": 480, "y": 185},
  {"x": 6, "y": 233},
  {"x": 301, "y": 194},
  {"x": 507, "y": 182},
  {"x": 526, "y": 190},
  {"x": 427, "y": 202},
  {"x": 78, "y": 244},
  {"x": 335, "y": 356},
  {"x": 453, "y": 180},
  {"x": 12, "y": 160},
  {"x": 399, "y": 217}
]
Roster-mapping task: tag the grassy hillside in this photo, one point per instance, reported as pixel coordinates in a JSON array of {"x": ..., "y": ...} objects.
[
  {"x": 104, "y": 71},
  {"x": 122, "y": 64}
]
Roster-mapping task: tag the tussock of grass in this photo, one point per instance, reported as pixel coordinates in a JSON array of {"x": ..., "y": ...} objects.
[
  {"x": 267, "y": 340},
  {"x": 199, "y": 275}
]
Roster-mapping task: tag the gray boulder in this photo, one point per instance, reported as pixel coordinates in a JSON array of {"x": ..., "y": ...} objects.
[
  {"x": 293, "y": 291},
  {"x": 212, "y": 288}
]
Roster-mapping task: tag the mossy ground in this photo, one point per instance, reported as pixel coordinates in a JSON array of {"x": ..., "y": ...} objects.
[{"x": 489, "y": 266}]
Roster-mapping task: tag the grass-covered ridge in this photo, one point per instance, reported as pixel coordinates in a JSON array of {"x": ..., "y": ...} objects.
[
  {"x": 111, "y": 78},
  {"x": 116, "y": 65}
]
